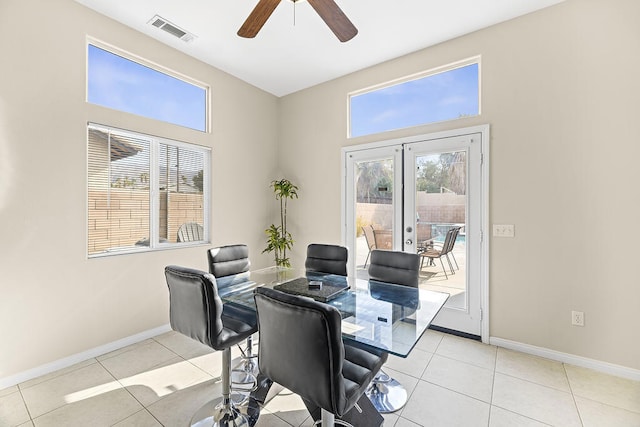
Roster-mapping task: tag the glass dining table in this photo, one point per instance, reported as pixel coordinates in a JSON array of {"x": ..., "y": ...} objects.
[{"x": 377, "y": 315}]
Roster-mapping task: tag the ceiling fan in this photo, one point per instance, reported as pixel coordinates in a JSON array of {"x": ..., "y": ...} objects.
[{"x": 328, "y": 10}]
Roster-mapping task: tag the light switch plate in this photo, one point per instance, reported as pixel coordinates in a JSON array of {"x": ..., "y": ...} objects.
[{"x": 504, "y": 230}]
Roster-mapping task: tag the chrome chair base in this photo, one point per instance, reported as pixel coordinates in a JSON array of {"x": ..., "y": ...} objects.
[
  {"x": 216, "y": 414},
  {"x": 387, "y": 396},
  {"x": 247, "y": 370},
  {"x": 329, "y": 420},
  {"x": 242, "y": 384},
  {"x": 244, "y": 377}
]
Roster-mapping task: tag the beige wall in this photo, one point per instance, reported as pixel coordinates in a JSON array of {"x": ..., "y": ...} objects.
[
  {"x": 560, "y": 90},
  {"x": 54, "y": 302}
]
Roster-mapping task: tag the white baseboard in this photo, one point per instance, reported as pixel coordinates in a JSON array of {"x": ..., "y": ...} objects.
[
  {"x": 80, "y": 357},
  {"x": 596, "y": 365}
]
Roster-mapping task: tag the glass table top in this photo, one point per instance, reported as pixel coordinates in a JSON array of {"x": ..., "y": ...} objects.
[{"x": 374, "y": 314}]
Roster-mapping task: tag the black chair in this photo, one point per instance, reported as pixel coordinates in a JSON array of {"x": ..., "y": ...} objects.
[
  {"x": 301, "y": 349},
  {"x": 230, "y": 266},
  {"x": 197, "y": 311},
  {"x": 401, "y": 268},
  {"x": 329, "y": 259}
]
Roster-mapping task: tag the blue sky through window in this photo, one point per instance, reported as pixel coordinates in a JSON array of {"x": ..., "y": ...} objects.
[
  {"x": 438, "y": 97},
  {"x": 119, "y": 83}
]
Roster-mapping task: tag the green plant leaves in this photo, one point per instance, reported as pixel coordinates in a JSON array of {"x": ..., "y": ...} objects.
[{"x": 279, "y": 240}]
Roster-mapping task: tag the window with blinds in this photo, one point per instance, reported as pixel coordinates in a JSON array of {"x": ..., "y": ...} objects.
[{"x": 144, "y": 192}]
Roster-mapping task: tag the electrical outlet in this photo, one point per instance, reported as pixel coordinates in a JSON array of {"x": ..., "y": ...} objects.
[
  {"x": 577, "y": 318},
  {"x": 504, "y": 230}
]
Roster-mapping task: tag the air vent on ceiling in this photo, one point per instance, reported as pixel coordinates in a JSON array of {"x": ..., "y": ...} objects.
[{"x": 174, "y": 30}]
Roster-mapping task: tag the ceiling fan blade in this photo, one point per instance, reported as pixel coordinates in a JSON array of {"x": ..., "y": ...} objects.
[
  {"x": 335, "y": 18},
  {"x": 257, "y": 18}
]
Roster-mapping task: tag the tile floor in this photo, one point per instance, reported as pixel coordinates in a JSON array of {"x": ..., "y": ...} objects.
[{"x": 451, "y": 382}]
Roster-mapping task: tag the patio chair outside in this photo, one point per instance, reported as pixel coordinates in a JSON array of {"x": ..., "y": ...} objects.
[
  {"x": 447, "y": 247},
  {"x": 383, "y": 239},
  {"x": 190, "y": 232},
  {"x": 424, "y": 236},
  {"x": 371, "y": 241}
]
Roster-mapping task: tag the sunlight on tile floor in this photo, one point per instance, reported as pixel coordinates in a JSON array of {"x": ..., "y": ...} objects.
[{"x": 451, "y": 381}]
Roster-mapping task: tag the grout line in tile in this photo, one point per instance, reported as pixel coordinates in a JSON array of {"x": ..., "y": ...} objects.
[
  {"x": 573, "y": 396},
  {"x": 455, "y": 391},
  {"x": 127, "y": 349},
  {"x": 144, "y": 407},
  {"x": 58, "y": 373},
  {"x": 162, "y": 345},
  {"x": 495, "y": 369},
  {"x": 519, "y": 414},
  {"x": 215, "y": 379},
  {"x": 466, "y": 363},
  {"x": 533, "y": 382},
  {"x": 24, "y": 402}
]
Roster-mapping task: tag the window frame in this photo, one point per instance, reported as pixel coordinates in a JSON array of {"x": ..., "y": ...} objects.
[
  {"x": 156, "y": 67},
  {"x": 154, "y": 193},
  {"x": 412, "y": 77}
]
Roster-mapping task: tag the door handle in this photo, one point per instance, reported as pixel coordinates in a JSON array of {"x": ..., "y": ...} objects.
[{"x": 408, "y": 242}]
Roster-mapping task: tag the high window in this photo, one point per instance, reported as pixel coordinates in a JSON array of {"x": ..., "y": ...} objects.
[
  {"x": 122, "y": 84},
  {"x": 427, "y": 98},
  {"x": 144, "y": 192}
]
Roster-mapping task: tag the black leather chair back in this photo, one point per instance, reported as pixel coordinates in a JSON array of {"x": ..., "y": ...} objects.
[
  {"x": 229, "y": 264},
  {"x": 329, "y": 259},
  {"x": 395, "y": 267},
  {"x": 301, "y": 347},
  {"x": 195, "y": 309}
]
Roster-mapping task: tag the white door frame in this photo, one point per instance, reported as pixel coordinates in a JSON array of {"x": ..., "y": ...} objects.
[{"x": 484, "y": 202}]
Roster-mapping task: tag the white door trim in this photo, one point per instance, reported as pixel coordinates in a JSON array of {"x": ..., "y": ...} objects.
[{"x": 484, "y": 201}]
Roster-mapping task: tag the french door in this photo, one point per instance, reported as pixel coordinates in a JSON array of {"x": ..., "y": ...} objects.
[{"x": 424, "y": 195}]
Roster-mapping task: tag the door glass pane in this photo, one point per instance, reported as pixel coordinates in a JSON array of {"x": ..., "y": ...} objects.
[
  {"x": 441, "y": 209},
  {"x": 374, "y": 209}
]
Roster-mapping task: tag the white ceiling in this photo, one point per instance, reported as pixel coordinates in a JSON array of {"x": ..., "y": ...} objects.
[{"x": 285, "y": 58}]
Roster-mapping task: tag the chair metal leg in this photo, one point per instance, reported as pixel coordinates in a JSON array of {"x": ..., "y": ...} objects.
[
  {"x": 455, "y": 260},
  {"x": 221, "y": 412},
  {"x": 450, "y": 265},
  {"x": 367, "y": 259},
  {"x": 443, "y": 269},
  {"x": 430, "y": 263}
]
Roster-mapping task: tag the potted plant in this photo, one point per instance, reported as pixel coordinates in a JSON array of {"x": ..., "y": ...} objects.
[{"x": 279, "y": 240}]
